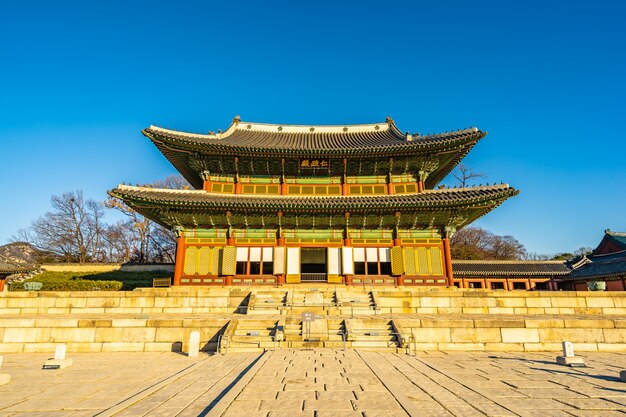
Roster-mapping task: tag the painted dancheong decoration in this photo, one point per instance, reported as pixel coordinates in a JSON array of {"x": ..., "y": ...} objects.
[{"x": 276, "y": 204}]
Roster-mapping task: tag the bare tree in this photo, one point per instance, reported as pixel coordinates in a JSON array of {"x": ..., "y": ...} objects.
[
  {"x": 535, "y": 256},
  {"x": 463, "y": 174},
  {"x": 478, "y": 243},
  {"x": 73, "y": 229},
  {"x": 148, "y": 241}
]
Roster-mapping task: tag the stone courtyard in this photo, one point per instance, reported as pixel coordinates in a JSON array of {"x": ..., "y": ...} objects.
[{"x": 314, "y": 383}]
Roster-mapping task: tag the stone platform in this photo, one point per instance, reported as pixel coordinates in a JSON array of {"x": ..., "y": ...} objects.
[
  {"x": 315, "y": 383},
  {"x": 255, "y": 319}
]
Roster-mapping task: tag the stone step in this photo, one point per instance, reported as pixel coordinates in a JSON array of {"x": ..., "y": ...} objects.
[{"x": 251, "y": 333}]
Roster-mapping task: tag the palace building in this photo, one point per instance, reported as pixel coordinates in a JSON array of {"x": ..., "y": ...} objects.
[{"x": 276, "y": 204}]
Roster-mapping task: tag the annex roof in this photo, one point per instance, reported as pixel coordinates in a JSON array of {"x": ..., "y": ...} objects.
[
  {"x": 611, "y": 242},
  {"x": 509, "y": 268},
  {"x": 600, "y": 266}
]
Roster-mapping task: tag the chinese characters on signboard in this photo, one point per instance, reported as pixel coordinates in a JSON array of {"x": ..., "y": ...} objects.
[{"x": 314, "y": 163}]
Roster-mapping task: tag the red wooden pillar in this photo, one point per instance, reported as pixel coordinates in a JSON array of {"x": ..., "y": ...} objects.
[
  {"x": 347, "y": 242},
  {"x": 280, "y": 279},
  {"x": 448, "y": 260},
  {"x": 180, "y": 260}
]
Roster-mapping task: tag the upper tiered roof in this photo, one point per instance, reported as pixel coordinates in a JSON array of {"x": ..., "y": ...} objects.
[
  {"x": 375, "y": 140},
  {"x": 341, "y": 140}
]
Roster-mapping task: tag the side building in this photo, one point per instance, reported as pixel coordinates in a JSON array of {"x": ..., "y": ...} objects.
[
  {"x": 607, "y": 264},
  {"x": 284, "y": 204}
]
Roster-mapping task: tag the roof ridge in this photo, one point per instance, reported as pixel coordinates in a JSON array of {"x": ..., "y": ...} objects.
[
  {"x": 612, "y": 233},
  {"x": 418, "y": 136},
  {"x": 387, "y": 125},
  {"x": 144, "y": 188},
  {"x": 591, "y": 257},
  {"x": 507, "y": 261},
  {"x": 203, "y": 192},
  {"x": 477, "y": 188}
]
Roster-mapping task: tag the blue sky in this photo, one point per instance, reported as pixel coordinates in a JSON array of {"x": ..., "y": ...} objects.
[{"x": 79, "y": 80}]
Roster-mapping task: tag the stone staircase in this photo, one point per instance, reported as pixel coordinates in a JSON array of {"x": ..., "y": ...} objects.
[
  {"x": 324, "y": 300},
  {"x": 249, "y": 336},
  {"x": 375, "y": 334}
]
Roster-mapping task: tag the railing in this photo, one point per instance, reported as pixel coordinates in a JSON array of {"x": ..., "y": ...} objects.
[
  {"x": 222, "y": 342},
  {"x": 314, "y": 277},
  {"x": 401, "y": 341}
]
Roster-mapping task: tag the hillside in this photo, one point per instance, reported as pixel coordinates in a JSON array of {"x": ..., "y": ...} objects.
[{"x": 24, "y": 254}]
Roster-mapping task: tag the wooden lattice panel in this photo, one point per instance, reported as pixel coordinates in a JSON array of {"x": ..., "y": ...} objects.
[
  {"x": 436, "y": 261},
  {"x": 191, "y": 260},
  {"x": 204, "y": 260},
  {"x": 229, "y": 260},
  {"x": 397, "y": 261},
  {"x": 409, "y": 261},
  {"x": 215, "y": 261},
  {"x": 422, "y": 261}
]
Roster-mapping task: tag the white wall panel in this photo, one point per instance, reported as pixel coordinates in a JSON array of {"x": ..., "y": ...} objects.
[
  {"x": 242, "y": 254},
  {"x": 372, "y": 254},
  {"x": 255, "y": 254},
  {"x": 334, "y": 260},
  {"x": 359, "y": 254},
  {"x": 293, "y": 261},
  {"x": 347, "y": 261},
  {"x": 267, "y": 254},
  {"x": 279, "y": 260},
  {"x": 384, "y": 254}
]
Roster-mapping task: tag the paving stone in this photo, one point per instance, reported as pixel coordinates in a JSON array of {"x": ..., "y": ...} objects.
[
  {"x": 284, "y": 404},
  {"x": 594, "y": 413},
  {"x": 592, "y": 404},
  {"x": 532, "y": 384}
]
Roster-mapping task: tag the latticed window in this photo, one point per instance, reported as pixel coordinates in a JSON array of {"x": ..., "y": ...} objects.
[
  {"x": 372, "y": 261},
  {"x": 254, "y": 261},
  {"x": 497, "y": 285}
]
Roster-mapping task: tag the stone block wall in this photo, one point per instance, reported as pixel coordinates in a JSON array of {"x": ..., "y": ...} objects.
[
  {"x": 523, "y": 334},
  {"x": 106, "y": 334}
]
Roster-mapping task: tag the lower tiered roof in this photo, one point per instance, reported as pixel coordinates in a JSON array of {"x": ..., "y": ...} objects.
[{"x": 432, "y": 207}]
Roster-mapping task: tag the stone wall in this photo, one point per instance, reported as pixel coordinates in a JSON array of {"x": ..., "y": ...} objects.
[
  {"x": 502, "y": 302},
  {"x": 511, "y": 334},
  {"x": 42, "y": 334},
  {"x": 153, "y": 301}
]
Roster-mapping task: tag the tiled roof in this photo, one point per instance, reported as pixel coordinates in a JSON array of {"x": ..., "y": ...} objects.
[
  {"x": 506, "y": 268},
  {"x": 251, "y": 140},
  {"x": 428, "y": 199},
  {"x": 195, "y": 208},
  {"x": 345, "y": 139},
  {"x": 600, "y": 266},
  {"x": 619, "y": 238}
]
